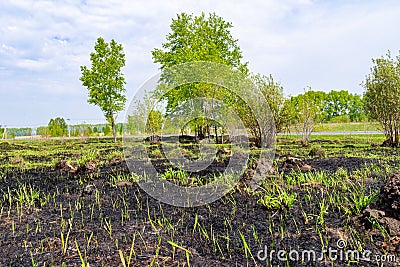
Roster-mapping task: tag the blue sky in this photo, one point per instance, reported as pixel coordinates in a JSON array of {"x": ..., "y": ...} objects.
[{"x": 323, "y": 44}]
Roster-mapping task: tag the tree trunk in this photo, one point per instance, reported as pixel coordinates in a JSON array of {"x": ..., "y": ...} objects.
[
  {"x": 216, "y": 134},
  {"x": 114, "y": 132}
]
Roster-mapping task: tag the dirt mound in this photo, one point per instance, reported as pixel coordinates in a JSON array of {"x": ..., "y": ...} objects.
[
  {"x": 153, "y": 139},
  {"x": 17, "y": 160},
  {"x": 90, "y": 166},
  {"x": 317, "y": 152},
  {"x": 334, "y": 163},
  {"x": 390, "y": 196},
  {"x": 223, "y": 152},
  {"x": 296, "y": 164},
  {"x": 5, "y": 145},
  {"x": 117, "y": 160},
  {"x": 65, "y": 166},
  {"x": 386, "y": 209}
]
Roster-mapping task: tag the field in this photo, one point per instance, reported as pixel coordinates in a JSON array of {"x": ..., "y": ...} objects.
[
  {"x": 348, "y": 127},
  {"x": 345, "y": 127},
  {"x": 75, "y": 203}
]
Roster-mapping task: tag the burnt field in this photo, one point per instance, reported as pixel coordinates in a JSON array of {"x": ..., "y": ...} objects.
[{"x": 335, "y": 202}]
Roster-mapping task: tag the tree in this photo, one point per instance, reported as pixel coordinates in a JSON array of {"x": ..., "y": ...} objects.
[
  {"x": 105, "y": 81},
  {"x": 382, "y": 96},
  {"x": 197, "y": 38},
  {"x": 278, "y": 104},
  {"x": 154, "y": 122},
  {"x": 356, "y": 109},
  {"x": 57, "y": 127},
  {"x": 309, "y": 110},
  {"x": 42, "y": 131},
  {"x": 341, "y": 106},
  {"x": 87, "y": 130},
  {"x": 107, "y": 130},
  {"x": 136, "y": 123}
]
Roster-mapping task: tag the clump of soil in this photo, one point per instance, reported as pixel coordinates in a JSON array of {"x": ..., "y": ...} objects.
[
  {"x": 223, "y": 152},
  {"x": 390, "y": 196},
  {"x": 123, "y": 183},
  {"x": 381, "y": 220},
  {"x": 5, "y": 145},
  {"x": 153, "y": 139},
  {"x": 91, "y": 166},
  {"x": 17, "y": 160},
  {"x": 115, "y": 161},
  {"x": 317, "y": 152},
  {"x": 65, "y": 166},
  {"x": 296, "y": 164},
  {"x": 386, "y": 209},
  {"x": 387, "y": 143}
]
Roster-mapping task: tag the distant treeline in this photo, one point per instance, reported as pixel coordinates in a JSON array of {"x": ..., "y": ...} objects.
[
  {"x": 73, "y": 130},
  {"x": 318, "y": 106}
]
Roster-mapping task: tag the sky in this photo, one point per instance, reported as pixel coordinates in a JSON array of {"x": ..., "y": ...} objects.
[{"x": 328, "y": 45}]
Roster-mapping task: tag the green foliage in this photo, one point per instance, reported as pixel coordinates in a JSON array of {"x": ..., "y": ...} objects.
[
  {"x": 89, "y": 155},
  {"x": 200, "y": 38},
  {"x": 57, "y": 127},
  {"x": 42, "y": 130},
  {"x": 341, "y": 106},
  {"x": 360, "y": 200},
  {"x": 13, "y": 132},
  {"x": 279, "y": 106},
  {"x": 197, "y": 38},
  {"x": 82, "y": 129},
  {"x": 309, "y": 110},
  {"x": 154, "y": 122},
  {"x": 139, "y": 117},
  {"x": 382, "y": 95},
  {"x": 105, "y": 80},
  {"x": 281, "y": 199},
  {"x": 107, "y": 130},
  {"x": 314, "y": 107},
  {"x": 177, "y": 175}
]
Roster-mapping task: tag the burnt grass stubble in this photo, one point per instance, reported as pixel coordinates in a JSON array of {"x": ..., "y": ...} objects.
[{"x": 228, "y": 219}]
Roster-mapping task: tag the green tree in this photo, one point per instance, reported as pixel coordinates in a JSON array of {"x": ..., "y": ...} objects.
[
  {"x": 87, "y": 130},
  {"x": 309, "y": 110},
  {"x": 137, "y": 119},
  {"x": 105, "y": 80},
  {"x": 200, "y": 38},
  {"x": 356, "y": 109},
  {"x": 341, "y": 106},
  {"x": 154, "y": 122},
  {"x": 121, "y": 129},
  {"x": 278, "y": 104},
  {"x": 337, "y": 105},
  {"x": 42, "y": 131},
  {"x": 107, "y": 130},
  {"x": 57, "y": 127},
  {"x": 197, "y": 38},
  {"x": 382, "y": 95},
  {"x": 77, "y": 131}
]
